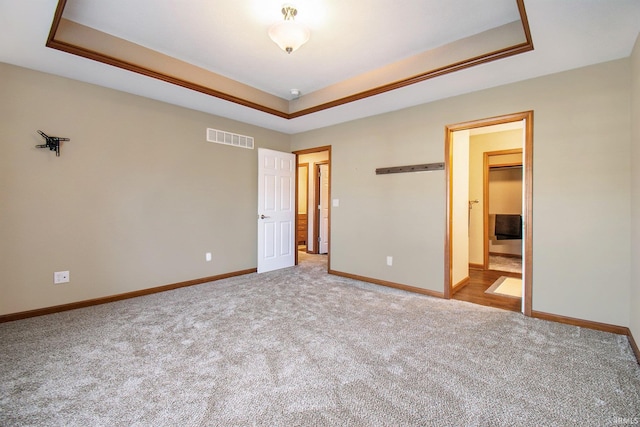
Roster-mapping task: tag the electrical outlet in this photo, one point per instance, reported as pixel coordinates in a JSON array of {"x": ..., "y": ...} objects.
[
  {"x": 389, "y": 260},
  {"x": 207, "y": 256},
  {"x": 60, "y": 277}
]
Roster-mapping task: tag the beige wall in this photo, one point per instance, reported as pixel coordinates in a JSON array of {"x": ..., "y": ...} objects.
[
  {"x": 634, "y": 305},
  {"x": 138, "y": 197},
  {"x": 303, "y": 183},
  {"x": 134, "y": 201},
  {"x": 460, "y": 208},
  {"x": 400, "y": 215},
  {"x": 581, "y": 215}
]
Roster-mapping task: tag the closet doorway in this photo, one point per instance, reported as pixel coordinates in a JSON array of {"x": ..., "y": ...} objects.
[
  {"x": 503, "y": 195},
  {"x": 466, "y": 257},
  {"x": 313, "y": 207},
  {"x": 302, "y": 219}
]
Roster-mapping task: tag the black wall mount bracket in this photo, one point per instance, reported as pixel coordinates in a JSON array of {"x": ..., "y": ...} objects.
[{"x": 51, "y": 142}]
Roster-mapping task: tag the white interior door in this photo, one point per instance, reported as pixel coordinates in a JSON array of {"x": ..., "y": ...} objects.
[
  {"x": 276, "y": 216},
  {"x": 323, "y": 210}
]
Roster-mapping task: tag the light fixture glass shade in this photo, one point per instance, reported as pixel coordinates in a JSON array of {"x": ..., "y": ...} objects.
[{"x": 289, "y": 34}]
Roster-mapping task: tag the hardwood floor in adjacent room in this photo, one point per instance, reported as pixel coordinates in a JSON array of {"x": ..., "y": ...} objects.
[{"x": 480, "y": 281}]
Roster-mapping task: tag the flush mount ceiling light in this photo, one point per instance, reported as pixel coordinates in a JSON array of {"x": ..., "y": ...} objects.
[{"x": 289, "y": 34}]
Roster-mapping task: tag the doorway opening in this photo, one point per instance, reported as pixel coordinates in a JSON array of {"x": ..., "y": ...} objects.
[
  {"x": 502, "y": 190},
  {"x": 477, "y": 222},
  {"x": 313, "y": 207},
  {"x": 321, "y": 221},
  {"x": 302, "y": 220}
]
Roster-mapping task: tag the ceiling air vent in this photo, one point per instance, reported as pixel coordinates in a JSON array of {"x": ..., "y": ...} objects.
[{"x": 228, "y": 138}]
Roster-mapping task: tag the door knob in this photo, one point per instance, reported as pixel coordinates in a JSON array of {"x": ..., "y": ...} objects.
[{"x": 264, "y": 216}]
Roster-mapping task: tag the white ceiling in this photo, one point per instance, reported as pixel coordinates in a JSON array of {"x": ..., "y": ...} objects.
[
  {"x": 347, "y": 39},
  {"x": 230, "y": 37}
]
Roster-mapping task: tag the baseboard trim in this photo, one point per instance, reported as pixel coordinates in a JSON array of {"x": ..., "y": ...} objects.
[
  {"x": 97, "y": 301},
  {"x": 476, "y": 266},
  {"x": 634, "y": 346},
  {"x": 388, "y": 284},
  {"x": 605, "y": 327},
  {"x": 461, "y": 284}
]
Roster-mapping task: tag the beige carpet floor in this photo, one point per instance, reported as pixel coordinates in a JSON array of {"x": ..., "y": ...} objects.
[{"x": 299, "y": 347}]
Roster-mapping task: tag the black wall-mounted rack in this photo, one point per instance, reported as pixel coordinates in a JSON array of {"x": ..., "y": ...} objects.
[{"x": 412, "y": 168}]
